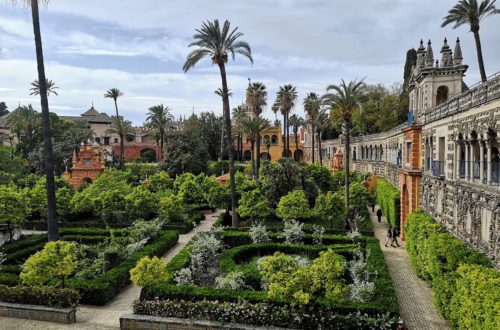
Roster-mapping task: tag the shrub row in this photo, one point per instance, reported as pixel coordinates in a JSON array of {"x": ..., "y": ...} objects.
[
  {"x": 464, "y": 284},
  {"x": 388, "y": 198},
  {"x": 100, "y": 290},
  {"x": 47, "y": 296},
  {"x": 263, "y": 314}
]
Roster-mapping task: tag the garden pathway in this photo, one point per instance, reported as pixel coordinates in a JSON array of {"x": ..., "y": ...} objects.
[
  {"x": 107, "y": 317},
  {"x": 415, "y": 300}
]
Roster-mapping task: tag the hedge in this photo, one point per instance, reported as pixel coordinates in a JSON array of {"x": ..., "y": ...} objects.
[
  {"x": 458, "y": 275},
  {"x": 47, "y": 296},
  {"x": 102, "y": 289},
  {"x": 388, "y": 198}
]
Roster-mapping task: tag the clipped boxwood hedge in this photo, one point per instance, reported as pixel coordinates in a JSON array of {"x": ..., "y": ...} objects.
[
  {"x": 47, "y": 296},
  {"x": 461, "y": 278},
  {"x": 388, "y": 198}
]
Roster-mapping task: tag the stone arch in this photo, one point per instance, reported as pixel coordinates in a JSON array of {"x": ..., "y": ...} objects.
[
  {"x": 442, "y": 94},
  {"x": 266, "y": 140},
  {"x": 149, "y": 155},
  {"x": 298, "y": 155},
  {"x": 247, "y": 155},
  {"x": 87, "y": 180},
  {"x": 130, "y": 137},
  {"x": 274, "y": 139}
]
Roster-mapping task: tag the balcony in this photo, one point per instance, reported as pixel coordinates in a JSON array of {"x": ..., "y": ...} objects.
[{"x": 438, "y": 168}]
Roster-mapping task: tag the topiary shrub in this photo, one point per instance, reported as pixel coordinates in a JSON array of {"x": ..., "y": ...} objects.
[
  {"x": 293, "y": 205},
  {"x": 171, "y": 208},
  {"x": 388, "y": 198},
  {"x": 148, "y": 271},
  {"x": 254, "y": 205}
]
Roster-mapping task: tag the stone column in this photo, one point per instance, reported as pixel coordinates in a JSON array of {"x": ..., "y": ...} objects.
[
  {"x": 458, "y": 152},
  {"x": 467, "y": 159},
  {"x": 488, "y": 157},
  {"x": 481, "y": 161}
]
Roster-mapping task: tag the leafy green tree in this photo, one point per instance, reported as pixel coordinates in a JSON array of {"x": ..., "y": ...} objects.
[
  {"x": 312, "y": 104},
  {"x": 321, "y": 175},
  {"x": 115, "y": 93},
  {"x": 160, "y": 120},
  {"x": 251, "y": 127},
  {"x": 346, "y": 99},
  {"x": 472, "y": 12},
  {"x": 170, "y": 208},
  {"x": 50, "y": 266},
  {"x": 13, "y": 207},
  {"x": 141, "y": 203},
  {"x": 239, "y": 112},
  {"x": 330, "y": 206},
  {"x": 214, "y": 43},
  {"x": 25, "y": 123},
  {"x": 411, "y": 60},
  {"x": 219, "y": 196},
  {"x": 191, "y": 193},
  {"x": 210, "y": 127},
  {"x": 148, "y": 271},
  {"x": 9, "y": 163},
  {"x": 37, "y": 198},
  {"x": 279, "y": 178},
  {"x": 3, "y": 109},
  {"x": 160, "y": 181},
  {"x": 254, "y": 206},
  {"x": 293, "y": 205},
  {"x": 286, "y": 97}
]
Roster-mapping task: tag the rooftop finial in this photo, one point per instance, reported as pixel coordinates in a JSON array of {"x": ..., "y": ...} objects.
[
  {"x": 457, "y": 59},
  {"x": 446, "y": 55},
  {"x": 429, "y": 55}
]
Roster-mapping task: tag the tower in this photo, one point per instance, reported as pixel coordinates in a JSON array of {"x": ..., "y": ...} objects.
[{"x": 432, "y": 81}]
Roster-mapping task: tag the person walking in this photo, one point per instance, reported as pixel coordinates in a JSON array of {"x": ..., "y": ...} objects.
[
  {"x": 394, "y": 237},
  {"x": 373, "y": 207},
  {"x": 379, "y": 215},
  {"x": 389, "y": 236}
]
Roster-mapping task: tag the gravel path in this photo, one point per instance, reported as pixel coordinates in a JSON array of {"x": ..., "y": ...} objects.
[
  {"x": 107, "y": 317},
  {"x": 415, "y": 300}
]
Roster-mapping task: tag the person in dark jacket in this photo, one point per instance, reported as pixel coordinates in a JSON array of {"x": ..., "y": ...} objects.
[
  {"x": 379, "y": 215},
  {"x": 394, "y": 237},
  {"x": 389, "y": 236}
]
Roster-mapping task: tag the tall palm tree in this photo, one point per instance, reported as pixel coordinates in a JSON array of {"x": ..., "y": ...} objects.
[
  {"x": 216, "y": 44},
  {"x": 321, "y": 122},
  {"x": 472, "y": 12},
  {"x": 51, "y": 88},
  {"x": 346, "y": 97},
  {"x": 115, "y": 93},
  {"x": 285, "y": 99},
  {"x": 24, "y": 122},
  {"x": 53, "y": 232},
  {"x": 257, "y": 100},
  {"x": 220, "y": 92},
  {"x": 312, "y": 104},
  {"x": 120, "y": 127},
  {"x": 160, "y": 120},
  {"x": 296, "y": 122},
  {"x": 251, "y": 127},
  {"x": 239, "y": 112}
]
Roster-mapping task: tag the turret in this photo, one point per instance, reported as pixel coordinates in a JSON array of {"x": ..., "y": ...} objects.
[
  {"x": 421, "y": 55},
  {"x": 429, "y": 55},
  {"x": 457, "y": 59},
  {"x": 446, "y": 55}
]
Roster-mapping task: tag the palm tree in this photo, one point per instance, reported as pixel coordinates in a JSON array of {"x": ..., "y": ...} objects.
[
  {"x": 53, "y": 232},
  {"x": 160, "y": 120},
  {"x": 296, "y": 122},
  {"x": 346, "y": 98},
  {"x": 285, "y": 99},
  {"x": 321, "y": 122},
  {"x": 257, "y": 100},
  {"x": 51, "y": 88},
  {"x": 220, "y": 92},
  {"x": 239, "y": 112},
  {"x": 471, "y": 12},
  {"x": 216, "y": 43},
  {"x": 251, "y": 127},
  {"x": 312, "y": 104},
  {"x": 120, "y": 127},
  {"x": 115, "y": 93},
  {"x": 24, "y": 122}
]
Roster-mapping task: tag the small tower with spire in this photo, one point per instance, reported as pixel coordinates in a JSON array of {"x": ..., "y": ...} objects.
[{"x": 435, "y": 81}]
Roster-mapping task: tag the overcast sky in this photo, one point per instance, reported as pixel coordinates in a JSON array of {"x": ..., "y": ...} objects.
[{"x": 140, "y": 47}]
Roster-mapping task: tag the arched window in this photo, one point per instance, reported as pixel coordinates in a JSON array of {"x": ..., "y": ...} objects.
[
  {"x": 442, "y": 94},
  {"x": 274, "y": 139},
  {"x": 266, "y": 140}
]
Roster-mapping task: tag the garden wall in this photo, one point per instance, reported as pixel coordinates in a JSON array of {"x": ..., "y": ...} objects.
[
  {"x": 36, "y": 312},
  {"x": 388, "y": 198}
]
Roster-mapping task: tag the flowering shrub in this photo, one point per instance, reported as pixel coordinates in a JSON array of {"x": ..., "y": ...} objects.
[
  {"x": 258, "y": 233},
  {"x": 318, "y": 232},
  {"x": 231, "y": 281},
  {"x": 183, "y": 277},
  {"x": 264, "y": 314},
  {"x": 362, "y": 289},
  {"x": 292, "y": 232},
  {"x": 148, "y": 272}
]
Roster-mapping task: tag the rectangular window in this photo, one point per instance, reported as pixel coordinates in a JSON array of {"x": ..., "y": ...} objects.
[
  {"x": 98, "y": 140},
  {"x": 87, "y": 161}
]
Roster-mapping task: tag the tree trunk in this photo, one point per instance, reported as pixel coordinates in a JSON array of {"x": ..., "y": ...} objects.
[
  {"x": 284, "y": 136},
  {"x": 287, "y": 135},
  {"x": 162, "y": 137},
  {"x": 313, "y": 134},
  {"x": 319, "y": 149},
  {"x": 257, "y": 161},
  {"x": 53, "y": 232},
  {"x": 296, "y": 146},
  {"x": 347, "y": 176},
  {"x": 221, "y": 140},
  {"x": 122, "y": 147},
  {"x": 480, "y": 55},
  {"x": 230, "y": 149},
  {"x": 252, "y": 159}
]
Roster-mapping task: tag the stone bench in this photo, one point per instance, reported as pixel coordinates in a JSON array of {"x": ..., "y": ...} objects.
[
  {"x": 146, "y": 322},
  {"x": 37, "y": 312}
]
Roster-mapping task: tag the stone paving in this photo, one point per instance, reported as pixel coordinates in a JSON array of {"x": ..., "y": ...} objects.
[
  {"x": 415, "y": 300},
  {"x": 107, "y": 317}
]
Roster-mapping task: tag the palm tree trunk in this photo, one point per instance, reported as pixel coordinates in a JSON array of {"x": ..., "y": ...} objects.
[
  {"x": 53, "y": 232},
  {"x": 347, "y": 176},
  {"x": 287, "y": 135},
  {"x": 480, "y": 56},
  {"x": 230, "y": 149},
  {"x": 221, "y": 142},
  {"x": 313, "y": 134},
  {"x": 296, "y": 146},
  {"x": 284, "y": 136},
  {"x": 162, "y": 137},
  {"x": 257, "y": 161},
  {"x": 252, "y": 159},
  {"x": 319, "y": 149}
]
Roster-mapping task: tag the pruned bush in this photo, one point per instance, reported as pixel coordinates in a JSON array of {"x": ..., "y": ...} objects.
[
  {"x": 293, "y": 205},
  {"x": 231, "y": 281},
  {"x": 253, "y": 205},
  {"x": 46, "y": 296},
  {"x": 258, "y": 233},
  {"x": 388, "y": 198},
  {"x": 292, "y": 232},
  {"x": 148, "y": 271}
]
